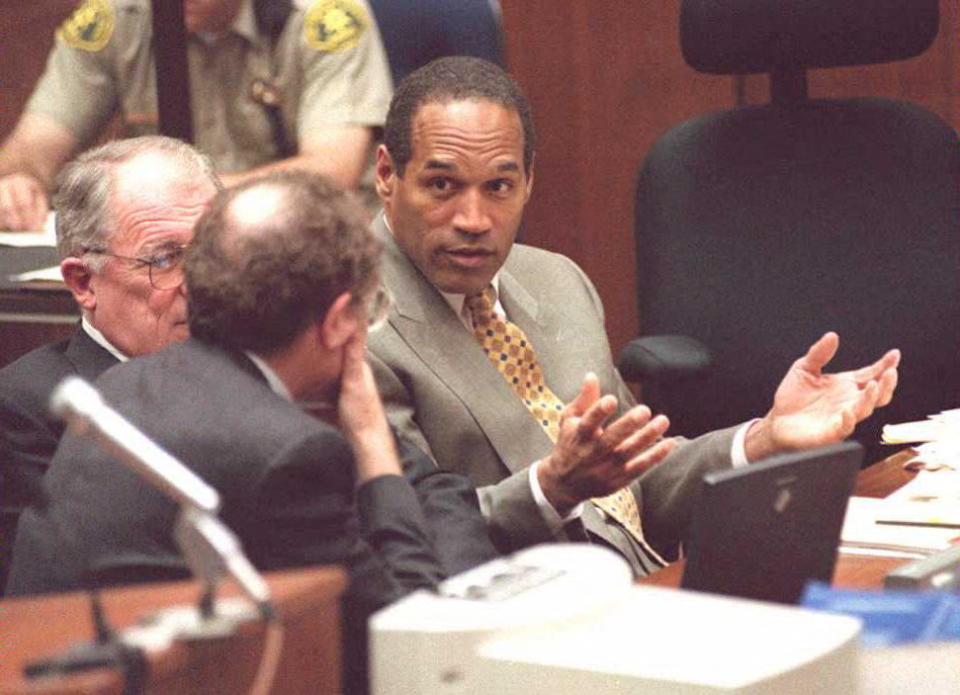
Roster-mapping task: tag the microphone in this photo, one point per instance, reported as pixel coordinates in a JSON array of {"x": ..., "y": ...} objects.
[
  {"x": 209, "y": 546},
  {"x": 81, "y": 406}
]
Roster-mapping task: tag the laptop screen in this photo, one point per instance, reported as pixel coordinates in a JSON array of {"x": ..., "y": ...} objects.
[{"x": 764, "y": 530}]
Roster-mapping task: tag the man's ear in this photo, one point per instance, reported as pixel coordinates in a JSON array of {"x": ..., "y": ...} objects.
[
  {"x": 385, "y": 172},
  {"x": 340, "y": 322},
  {"x": 77, "y": 276}
]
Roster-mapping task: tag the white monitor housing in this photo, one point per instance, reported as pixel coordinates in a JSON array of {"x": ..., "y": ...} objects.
[{"x": 569, "y": 619}]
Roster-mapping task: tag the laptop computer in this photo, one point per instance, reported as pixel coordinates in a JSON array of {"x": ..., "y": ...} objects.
[{"x": 764, "y": 530}]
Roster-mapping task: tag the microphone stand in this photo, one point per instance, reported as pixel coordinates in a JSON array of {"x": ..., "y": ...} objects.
[{"x": 210, "y": 548}]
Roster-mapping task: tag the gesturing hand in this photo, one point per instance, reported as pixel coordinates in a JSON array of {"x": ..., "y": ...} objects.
[
  {"x": 811, "y": 408},
  {"x": 594, "y": 459}
]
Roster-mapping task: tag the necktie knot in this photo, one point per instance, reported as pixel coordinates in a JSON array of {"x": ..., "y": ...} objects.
[{"x": 480, "y": 306}]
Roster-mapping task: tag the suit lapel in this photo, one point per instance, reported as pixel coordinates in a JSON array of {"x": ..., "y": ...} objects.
[
  {"x": 544, "y": 326},
  {"x": 430, "y": 328},
  {"x": 89, "y": 360}
]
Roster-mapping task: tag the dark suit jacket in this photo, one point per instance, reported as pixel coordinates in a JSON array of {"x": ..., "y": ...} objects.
[
  {"x": 28, "y": 432},
  {"x": 286, "y": 482},
  {"x": 444, "y": 394}
]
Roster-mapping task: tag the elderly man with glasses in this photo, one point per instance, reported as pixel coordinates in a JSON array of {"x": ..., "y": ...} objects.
[
  {"x": 283, "y": 286},
  {"x": 125, "y": 213}
]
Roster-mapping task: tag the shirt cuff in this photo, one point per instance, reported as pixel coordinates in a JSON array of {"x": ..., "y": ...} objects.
[
  {"x": 553, "y": 520},
  {"x": 738, "y": 450}
]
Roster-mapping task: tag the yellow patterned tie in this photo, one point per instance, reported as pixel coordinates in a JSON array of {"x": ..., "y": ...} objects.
[{"x": 512, "y": 353}]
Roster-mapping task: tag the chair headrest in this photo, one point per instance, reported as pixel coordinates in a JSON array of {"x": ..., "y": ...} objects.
[{"x": 758, "y": 36}]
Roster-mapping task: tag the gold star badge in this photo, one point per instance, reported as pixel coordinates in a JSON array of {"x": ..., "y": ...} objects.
[
  {"x": 334, "y": 25},
  {"x": 89, "y": 27}
]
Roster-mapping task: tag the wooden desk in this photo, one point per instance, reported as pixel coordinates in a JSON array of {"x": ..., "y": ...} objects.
[
  {"x": 852, "y": 571},
  {"x": 32, "y": 628}
]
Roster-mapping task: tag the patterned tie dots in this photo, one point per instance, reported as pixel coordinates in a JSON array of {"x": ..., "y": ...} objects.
[{"x": 513, "y": 355}]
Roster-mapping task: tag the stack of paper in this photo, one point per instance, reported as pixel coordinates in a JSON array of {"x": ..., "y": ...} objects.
[
  {"x": 43, "y": 275},
  {"x": 937, "y": 438},
  {"x": 41, "y": 237},
  {"x": 861, "y": 530},
  {"x": 931, "y": 499}
]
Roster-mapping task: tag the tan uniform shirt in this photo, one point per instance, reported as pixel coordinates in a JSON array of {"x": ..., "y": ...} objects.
[{"x": 328, "y": 64}]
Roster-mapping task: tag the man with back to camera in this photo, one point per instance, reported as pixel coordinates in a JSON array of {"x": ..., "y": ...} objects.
[
  {"x": 496, "y": 360},
  {"x": 283, "y": 280},
  {"x": 305, "y": 88},
  {"x": 125, "y": 213}
]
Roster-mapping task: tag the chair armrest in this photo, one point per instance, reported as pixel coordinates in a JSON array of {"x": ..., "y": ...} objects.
[{"x": 664, "y": 359}]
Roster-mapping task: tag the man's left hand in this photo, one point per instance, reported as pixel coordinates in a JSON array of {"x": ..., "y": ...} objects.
[
  {"x": 362, "y": 417},
  {"x": 812, "y": 409}
]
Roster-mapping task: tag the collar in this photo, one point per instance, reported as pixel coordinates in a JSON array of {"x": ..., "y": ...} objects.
[
  {"x": 457, "y": 302},
  {"x": 244, "y": 23},
  {"x": 273, "y": 381},
  {"x": 101, "y": 340}
]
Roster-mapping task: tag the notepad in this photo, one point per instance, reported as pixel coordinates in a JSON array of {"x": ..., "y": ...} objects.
[
  {"x": 930, "y": 499},
  {"x": 861, "y": 531}
]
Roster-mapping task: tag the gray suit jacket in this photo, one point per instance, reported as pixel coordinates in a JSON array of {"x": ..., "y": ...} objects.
[{"x": 443, "y": 394}]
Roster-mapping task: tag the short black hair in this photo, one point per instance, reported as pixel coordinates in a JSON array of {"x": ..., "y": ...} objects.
[
  {"x": 449, "y": 79},
  {"x": 256, "y": 288}
]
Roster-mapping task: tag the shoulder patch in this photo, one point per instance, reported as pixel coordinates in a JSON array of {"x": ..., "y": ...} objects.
[
  {"x": 90, "y": 26},
  {"x": 334, "y": 25}
]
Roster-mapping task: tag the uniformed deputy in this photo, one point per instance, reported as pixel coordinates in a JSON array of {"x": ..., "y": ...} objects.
[{"x": 324, "y": 77}]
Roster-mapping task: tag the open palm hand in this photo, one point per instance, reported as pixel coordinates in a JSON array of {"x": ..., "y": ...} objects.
[{"x": 811, "y": 408}]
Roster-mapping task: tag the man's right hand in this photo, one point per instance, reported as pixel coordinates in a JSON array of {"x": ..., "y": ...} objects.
[
  {"x": 23, "y": 202},
  {"x": 594, "y": 459}
]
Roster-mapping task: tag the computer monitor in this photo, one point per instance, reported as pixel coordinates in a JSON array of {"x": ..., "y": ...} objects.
[{"x": 764, "y": 530}]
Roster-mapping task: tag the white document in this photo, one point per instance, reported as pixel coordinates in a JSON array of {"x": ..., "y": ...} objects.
[
  {"x": 932, "y": 498},
  {"x": 43, "y": 237},
  {"x": 936, "y": 439},
  {"x": 861, "y": 530},
  {"x": 51, "y": 274},
  {"x": 912, "y": 432}
]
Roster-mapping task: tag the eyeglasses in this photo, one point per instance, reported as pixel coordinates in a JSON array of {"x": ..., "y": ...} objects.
[
  {"x": 378, "y": 308},
  {"x": 163, "y": 266}
]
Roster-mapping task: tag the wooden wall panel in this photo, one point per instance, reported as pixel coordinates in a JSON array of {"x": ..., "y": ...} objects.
[
  {"x": 607, "y": 78},
  {"x": 931, "y": 80},
  {"x": 26, "y": 34}
]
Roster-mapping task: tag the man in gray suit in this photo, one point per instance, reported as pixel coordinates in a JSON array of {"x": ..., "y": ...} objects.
[
  {"x": 282, "y": 281},
  {"x": 454, "y": 174}
]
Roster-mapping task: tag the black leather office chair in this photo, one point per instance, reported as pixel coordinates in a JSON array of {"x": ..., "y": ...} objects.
[
  {"x": 761, "y": 227},
  {"x": 414, "y": 32}
]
